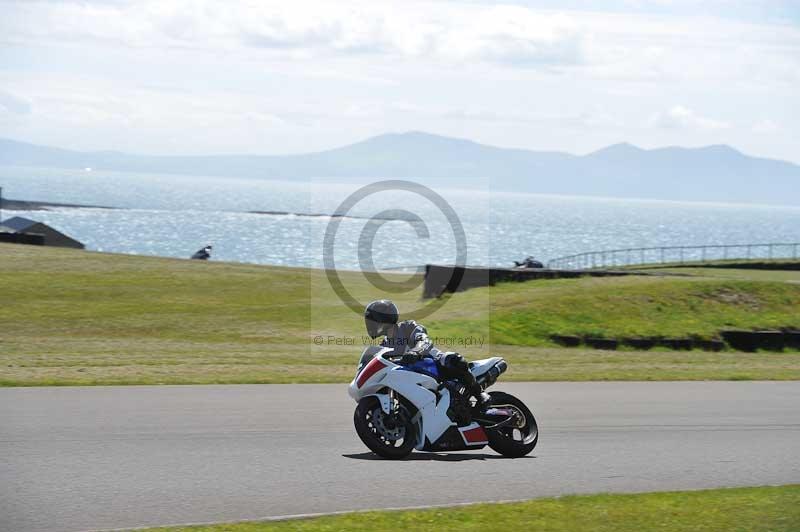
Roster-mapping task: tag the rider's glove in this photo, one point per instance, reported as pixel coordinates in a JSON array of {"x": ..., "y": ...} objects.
[{"x": 410, "y": 357}]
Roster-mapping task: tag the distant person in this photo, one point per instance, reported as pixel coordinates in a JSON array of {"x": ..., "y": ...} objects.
[
  {"x": 203, "y": 254},
  {"x": 529, "y": 262}
]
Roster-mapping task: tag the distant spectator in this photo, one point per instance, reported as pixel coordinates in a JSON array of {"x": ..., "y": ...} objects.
[
  {"x": 203, "y": 254},
  {"x": 529, "y": 262}
]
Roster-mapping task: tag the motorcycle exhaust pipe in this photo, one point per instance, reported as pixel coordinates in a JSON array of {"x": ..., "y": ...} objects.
[{"x": 490, "y": 377}]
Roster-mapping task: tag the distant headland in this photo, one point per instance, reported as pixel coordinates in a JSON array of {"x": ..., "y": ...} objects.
[
  {"x": 23, "y": 205},
  {"x": 27, "y": 205},
  {"x": 716, "y": 173}
]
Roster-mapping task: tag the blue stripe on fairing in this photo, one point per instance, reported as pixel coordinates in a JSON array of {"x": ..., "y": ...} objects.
[{"x": 426, "y": 366}]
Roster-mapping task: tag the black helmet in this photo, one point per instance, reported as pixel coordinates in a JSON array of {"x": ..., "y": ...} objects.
[{"x": 379, "y": 316}]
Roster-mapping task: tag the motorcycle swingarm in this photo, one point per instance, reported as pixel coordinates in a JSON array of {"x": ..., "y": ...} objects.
[{"x": 494, "y": 424}]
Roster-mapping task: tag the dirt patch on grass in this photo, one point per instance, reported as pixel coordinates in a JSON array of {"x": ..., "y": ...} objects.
[{"x": 730, "y": 296}]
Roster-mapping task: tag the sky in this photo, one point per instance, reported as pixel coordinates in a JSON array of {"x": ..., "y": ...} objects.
[{"x": 201, "y": 77}]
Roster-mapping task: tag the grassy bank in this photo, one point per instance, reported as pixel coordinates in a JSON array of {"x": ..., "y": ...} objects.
[
  {"x": 527, "y": 314},
  {"x": 750, "y": 509},
  {"x": 73, "y": 317}
]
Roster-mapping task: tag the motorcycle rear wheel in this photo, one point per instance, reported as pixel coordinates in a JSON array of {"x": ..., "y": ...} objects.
[
  {"x": 513, "y": 441},
  {"x": 387, "y": 436}
]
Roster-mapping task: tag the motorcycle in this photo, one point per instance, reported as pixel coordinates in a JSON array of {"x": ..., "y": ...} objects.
[{"x": 402, "y": 408}]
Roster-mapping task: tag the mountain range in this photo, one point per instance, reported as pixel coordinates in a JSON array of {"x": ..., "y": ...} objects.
[{"x": 712, "y": 173}]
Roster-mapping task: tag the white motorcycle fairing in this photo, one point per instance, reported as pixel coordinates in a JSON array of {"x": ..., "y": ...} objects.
[{"x": 423, "y": 391}]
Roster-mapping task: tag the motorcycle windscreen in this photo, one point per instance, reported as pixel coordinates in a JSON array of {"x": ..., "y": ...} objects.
[{"x": 368, "y": 354}]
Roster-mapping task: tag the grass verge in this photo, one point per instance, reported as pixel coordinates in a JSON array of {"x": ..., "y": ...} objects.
[
  {"x": 742, "y": 509},
  {"x": 73, "y": 317}
]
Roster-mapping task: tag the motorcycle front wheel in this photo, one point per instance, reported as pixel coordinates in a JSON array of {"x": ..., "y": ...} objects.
[
  {"x": 513, "y": 441},
  {"x": 387, "y": 435}
]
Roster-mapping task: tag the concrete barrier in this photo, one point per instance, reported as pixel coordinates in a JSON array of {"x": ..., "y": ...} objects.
[
  {"x": 791, "y": 339},
  {"x": 449, "y": 279},
  {"x": 640, "y": 343},
  {"x": 739, "y": 340},
  {"x": 708, "y": 345},
  {"x": 676, "y": 344},
  {"x": 602, "y": 343},
  {"x": 566, "y": 340}
]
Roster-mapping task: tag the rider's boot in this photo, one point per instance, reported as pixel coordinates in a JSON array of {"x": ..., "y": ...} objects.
[
  {"x": 475, "y": 389},
  {"x": 484, "y": 399},
  {"x": 460, "y": 370}
]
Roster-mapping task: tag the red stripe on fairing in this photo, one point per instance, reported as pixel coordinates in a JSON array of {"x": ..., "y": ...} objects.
[
  {"x": 373, "y": 367},
  {"x": 475, "y": 435}
]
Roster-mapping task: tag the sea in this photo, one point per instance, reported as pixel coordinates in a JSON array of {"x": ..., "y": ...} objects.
[{"x": 390, "y": 226}]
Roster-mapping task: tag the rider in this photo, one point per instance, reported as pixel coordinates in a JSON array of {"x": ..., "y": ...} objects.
[{"x": 410, "y": 340}]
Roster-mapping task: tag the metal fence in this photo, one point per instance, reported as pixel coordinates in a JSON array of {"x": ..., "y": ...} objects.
[{"x": 674, "y": 254}]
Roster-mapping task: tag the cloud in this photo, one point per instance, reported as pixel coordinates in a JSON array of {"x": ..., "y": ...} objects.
[
  {"x": 590, "y": 118},
  {"x": 502, "y": 34},
  {"x": 765, "y": 126},
  {"x": 271, "y": 76},
  {"x": 680, "y": 117},
  {"x": 609, "y": 46},
  {"x": 512, "y": 35},
  {"x": 14, "y": 104}
]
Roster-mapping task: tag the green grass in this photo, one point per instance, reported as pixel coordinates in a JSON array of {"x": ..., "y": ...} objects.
[
  {"x": 526, "y": 314},
  {"x": 724, "y": 510},
  {"x": 791, "y": 276},
  {"x": 74, "y": 317}
]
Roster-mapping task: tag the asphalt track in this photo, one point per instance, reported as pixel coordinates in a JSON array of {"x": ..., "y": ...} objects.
[{"x": 117, "y": 457}]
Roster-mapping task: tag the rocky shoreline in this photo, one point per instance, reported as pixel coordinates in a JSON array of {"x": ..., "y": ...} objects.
[
  {"x": 323, "y": 215},
  {"x": 24, "y": 205}
]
